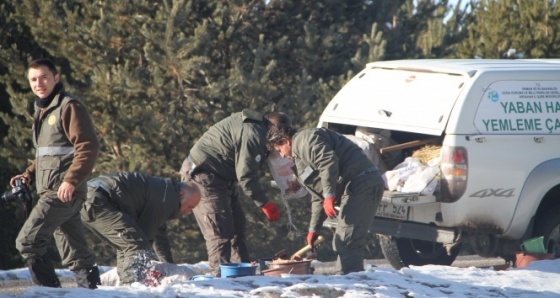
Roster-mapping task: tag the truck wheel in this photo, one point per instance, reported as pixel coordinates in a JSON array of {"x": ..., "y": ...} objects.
[
  {"x": 548, "y": 226},
  {"x": 402, "y": 252}
]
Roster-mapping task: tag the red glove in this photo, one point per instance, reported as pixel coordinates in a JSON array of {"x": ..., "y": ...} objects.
[
  {"x": 271, "y": 211},
  {"x": 328, "y": 206},
  {"x": 311, "y": 237}
]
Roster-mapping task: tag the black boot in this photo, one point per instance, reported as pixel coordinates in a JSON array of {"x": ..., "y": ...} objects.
[
  {"x": 42, "y": 272},
  {"x": 88, "y": 277}
]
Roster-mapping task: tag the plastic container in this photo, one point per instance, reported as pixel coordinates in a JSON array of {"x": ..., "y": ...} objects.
[
  {"x": 237, "y": 269},
  {"x": 535, "y": 246},
  {"x": 292, "y": 267},
  {"x": 523, "y": 259}
]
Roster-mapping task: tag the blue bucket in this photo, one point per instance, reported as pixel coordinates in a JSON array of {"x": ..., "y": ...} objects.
[{"x": 237, "y": 269}]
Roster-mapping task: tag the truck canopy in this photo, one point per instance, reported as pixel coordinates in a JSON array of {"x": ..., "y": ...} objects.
[{"x": 412, "y": 95}]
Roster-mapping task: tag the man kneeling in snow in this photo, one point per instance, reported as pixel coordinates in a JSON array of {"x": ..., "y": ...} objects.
[{"x": 129, "y": 211}]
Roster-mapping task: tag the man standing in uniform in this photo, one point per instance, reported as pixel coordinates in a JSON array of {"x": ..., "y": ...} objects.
[
  {"x": 230, "y": 152},
  {"x": 335, "y": 171},
  {"x": 130, "y": 210},
  {"x": 67, "y": 149}
]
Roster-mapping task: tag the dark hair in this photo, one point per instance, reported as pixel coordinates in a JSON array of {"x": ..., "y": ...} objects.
[
  {"x": 276, "y": 135},
  {"x": 278, "y": 118},
  {"x": 43, "y": 62}
]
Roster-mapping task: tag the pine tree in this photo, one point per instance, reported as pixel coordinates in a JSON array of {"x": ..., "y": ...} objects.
[
  {"x": 513, "y": 29},
  {"x": 15, "y": 125},
  {"x": 419, "y": 30},
  {"x": 155, "y": 75}
]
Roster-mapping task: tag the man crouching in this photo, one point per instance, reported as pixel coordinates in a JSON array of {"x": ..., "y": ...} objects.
[{"x": 129, "y": 211}]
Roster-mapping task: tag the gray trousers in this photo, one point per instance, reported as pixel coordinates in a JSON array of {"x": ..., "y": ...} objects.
[
  {"x": 121, "y": 231},
  {"x": 52, "y": 217},
  {"x": 222, "y": 221},
  {"x": 357, "y": 209}
]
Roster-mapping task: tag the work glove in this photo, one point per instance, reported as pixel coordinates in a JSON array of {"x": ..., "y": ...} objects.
[
  {"x": 311, "y": 237},
  {"x": 328, "y": 206},
  {"x": 271, "y": 211}
]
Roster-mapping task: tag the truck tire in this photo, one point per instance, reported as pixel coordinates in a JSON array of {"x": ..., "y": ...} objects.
[
  {"x": 403, "y": 252},
  {"x": 548, "y": 225}
]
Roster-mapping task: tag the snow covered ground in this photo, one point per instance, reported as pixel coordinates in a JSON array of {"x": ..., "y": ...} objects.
[{"x": 539, "y": 279}]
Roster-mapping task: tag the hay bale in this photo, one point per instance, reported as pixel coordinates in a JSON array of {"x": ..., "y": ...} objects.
[{"x": 427, "y": 153}]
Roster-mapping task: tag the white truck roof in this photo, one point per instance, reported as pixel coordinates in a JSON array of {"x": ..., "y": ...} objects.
[
  {"x": 465, "y": 66},
  {"x": 419, "y": 95}
]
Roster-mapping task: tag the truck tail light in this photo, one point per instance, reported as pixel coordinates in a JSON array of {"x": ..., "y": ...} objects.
[{"x": 454, "y": 173}]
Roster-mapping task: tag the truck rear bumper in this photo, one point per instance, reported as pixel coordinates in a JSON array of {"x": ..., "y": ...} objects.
[{"x": 410, "y": 230}]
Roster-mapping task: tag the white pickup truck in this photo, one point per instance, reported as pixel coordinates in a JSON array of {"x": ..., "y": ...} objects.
[{"x": 497, "y": 123}]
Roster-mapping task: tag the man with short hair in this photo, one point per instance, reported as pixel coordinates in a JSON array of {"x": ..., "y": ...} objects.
[
  {"x": 67, "y": 150},
  {"x": 130, "y": 210},
  {"x": 229, "y": 154}
]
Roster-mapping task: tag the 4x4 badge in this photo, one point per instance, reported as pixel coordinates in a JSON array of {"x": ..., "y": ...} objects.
[{"x": 493, "y": 193}]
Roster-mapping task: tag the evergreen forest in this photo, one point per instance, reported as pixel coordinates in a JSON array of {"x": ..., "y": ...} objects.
[{"x": 156, "y": 74}]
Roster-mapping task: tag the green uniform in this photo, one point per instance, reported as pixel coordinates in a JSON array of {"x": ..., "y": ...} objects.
[
  {"x": 229, "y": 153},
  {"x": 67, "y": 149},
  {"x": 129, "y": 211},
  {"x": 327, "y": 164}
]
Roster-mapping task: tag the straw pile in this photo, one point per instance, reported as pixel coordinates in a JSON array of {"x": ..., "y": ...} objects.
[{"x": 427, "y": 153}]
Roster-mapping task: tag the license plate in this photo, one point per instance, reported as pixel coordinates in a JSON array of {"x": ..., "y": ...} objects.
[{"x": 392, "y": 211}]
